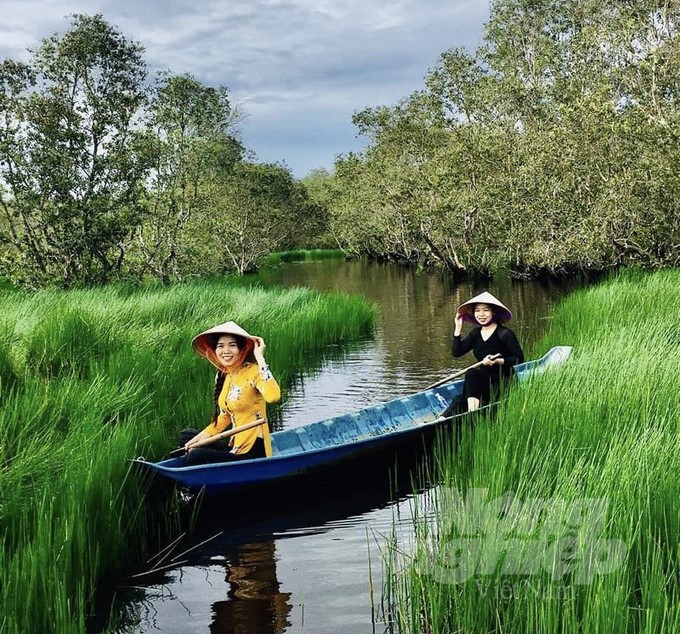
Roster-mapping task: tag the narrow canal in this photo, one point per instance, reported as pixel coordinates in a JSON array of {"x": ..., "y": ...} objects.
[{"x": 315, "y": 565}]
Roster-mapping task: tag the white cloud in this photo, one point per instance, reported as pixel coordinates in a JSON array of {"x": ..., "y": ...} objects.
[{"x": 306, "y": 63}]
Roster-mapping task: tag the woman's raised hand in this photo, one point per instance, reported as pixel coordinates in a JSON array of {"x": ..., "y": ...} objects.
[
  {"x": 259, "y": 349},
  {"x": 458, "y": 322}
]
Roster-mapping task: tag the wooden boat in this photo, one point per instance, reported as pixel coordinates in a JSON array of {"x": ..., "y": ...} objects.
[{"x": 304, "y": 449}]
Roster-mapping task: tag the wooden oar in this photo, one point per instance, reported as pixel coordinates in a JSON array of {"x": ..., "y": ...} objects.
[
  {"x": 460, "y": 373},
  {"x": 461, "y": 415},
  {"x": 224, "y": 434}
]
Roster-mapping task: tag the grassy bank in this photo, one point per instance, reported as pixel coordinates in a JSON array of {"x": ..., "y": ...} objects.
[
  {"x": 91, "y": 379},
  {"x": 588, "y": 460},
  {"x": 303, "y": 255}
]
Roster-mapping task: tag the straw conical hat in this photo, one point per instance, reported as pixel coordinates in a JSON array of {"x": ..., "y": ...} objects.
[
  {"x": 468, "y": 308},
  {"x": 203, "y": 343}
]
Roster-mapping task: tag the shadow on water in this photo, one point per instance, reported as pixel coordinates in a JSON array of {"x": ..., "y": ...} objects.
[{"x": 414, "y": 322}]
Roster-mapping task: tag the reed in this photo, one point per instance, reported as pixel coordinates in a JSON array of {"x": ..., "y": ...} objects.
[
  {"x": 303, "y": 255},
  {"x": 602, "y": 427},
  {"x": 90, "y": 379}
]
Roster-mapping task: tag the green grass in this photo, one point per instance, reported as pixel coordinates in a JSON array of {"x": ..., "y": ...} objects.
[
  {"x": 6, "y": 285},
  {"x": 603, "y": 426},
  {"x": 90, "y": 379},
  {"x": 302, "y": 255}
]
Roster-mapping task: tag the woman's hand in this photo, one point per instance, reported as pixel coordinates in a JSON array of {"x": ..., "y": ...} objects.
[
  {"x": 458, "y": 321},
  {"x": 258, "y": 350},
  {"x": 189, "y": 445},
  {"x": 492, "y": 359}
]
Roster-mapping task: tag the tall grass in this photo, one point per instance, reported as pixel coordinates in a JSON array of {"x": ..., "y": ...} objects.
[
  {"x": 604, "y": 426},
  {"x": 303, "y": 255},
  {"x": 90, "y": 379}
]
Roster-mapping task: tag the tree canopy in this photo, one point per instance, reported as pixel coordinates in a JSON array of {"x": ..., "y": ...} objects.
[
  {"x": 552, "y": 149},
  {"x": 105, "y": 175}
]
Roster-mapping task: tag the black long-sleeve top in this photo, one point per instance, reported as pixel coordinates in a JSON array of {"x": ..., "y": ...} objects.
[{"x": 502, "y": 341}]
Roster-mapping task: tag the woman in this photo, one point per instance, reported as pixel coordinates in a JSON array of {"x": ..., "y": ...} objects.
[
  {"x": 243, "y": 386},
  {"x": 491, "y": 343}
]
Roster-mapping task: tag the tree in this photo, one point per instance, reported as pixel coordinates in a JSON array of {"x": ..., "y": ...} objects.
[
  {"x": 551, "y": 150},
  {"x": 323, "y": 191},
  {"x": 72, "y": 160},
  {"x": 258, "y": 209},
  {"x": 192, "y": 126}
]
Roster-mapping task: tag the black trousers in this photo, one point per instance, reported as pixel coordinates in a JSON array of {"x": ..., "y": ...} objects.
[
  {"x": 485, "y": 383},
  {"x": 219, "y": 451}
]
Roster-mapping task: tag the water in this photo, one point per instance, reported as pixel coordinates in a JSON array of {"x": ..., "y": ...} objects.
[{"x": 313, "y": 563}]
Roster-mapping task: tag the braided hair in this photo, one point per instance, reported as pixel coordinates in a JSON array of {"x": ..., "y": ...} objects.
[{"x": 219, "y": 384}]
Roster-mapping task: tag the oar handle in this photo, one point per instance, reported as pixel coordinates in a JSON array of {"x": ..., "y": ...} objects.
[
  {"x": 460, "y": 373},
  {"x": 225, "y": 434}
]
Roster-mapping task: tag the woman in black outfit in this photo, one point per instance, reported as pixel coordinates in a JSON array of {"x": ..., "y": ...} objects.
[{"x": 491, "y": 342}]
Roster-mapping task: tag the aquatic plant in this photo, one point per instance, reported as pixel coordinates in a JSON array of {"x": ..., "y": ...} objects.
[
  {"x": 302, "y": 255},
  {"x": 90, "y": 379},
  {"x": 560, "y": 514}
]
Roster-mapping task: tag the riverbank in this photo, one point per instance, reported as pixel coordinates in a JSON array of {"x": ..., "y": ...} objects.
[
  {"x": 90, "y": 379},
  {"x": 298, "y": 543},
  {"x": 561, "y": 514},
  {"x": 302, "y": 255}
]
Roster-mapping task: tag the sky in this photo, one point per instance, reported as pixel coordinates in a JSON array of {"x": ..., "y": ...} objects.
[{"x": 297, "y": 69}]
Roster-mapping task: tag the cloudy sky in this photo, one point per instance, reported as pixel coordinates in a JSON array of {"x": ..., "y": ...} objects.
[{"x": 297, "y": 68}]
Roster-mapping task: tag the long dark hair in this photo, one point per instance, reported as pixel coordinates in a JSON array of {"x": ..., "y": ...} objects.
[{"x": 219, "y": 384}]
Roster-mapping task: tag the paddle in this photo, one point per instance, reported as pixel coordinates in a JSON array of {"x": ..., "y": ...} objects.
[
  {"x": 224, "y": 434},
  {"x": 459, "y": 373},
  {"x": 461, "y": 415}
]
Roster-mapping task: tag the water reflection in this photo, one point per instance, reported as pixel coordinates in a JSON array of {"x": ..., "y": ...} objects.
[
  {"x": 299, "y": 562},
  {"x": 254, "y": 601},
  {"x": 304, "y": 562},
  {"x": 414, "y": 324},
  {"x": 220, "y": 586}
]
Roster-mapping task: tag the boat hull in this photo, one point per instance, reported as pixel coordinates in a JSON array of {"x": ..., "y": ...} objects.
[{"x": 325, "y": 444}]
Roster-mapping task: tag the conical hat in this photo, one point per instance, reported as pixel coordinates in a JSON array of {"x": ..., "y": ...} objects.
[
  {"x": 203, "y": 343},
  {"x": 468, "y": 308}
]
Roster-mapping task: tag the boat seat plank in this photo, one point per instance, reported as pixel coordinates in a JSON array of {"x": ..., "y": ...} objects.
[{"x": 286, "y": 441}]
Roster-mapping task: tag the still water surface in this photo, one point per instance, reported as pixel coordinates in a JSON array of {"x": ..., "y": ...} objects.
[{"x": 314, "y": 564}]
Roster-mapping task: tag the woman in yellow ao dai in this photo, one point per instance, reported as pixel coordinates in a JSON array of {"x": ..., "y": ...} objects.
[{"x": 243, "y": 386}]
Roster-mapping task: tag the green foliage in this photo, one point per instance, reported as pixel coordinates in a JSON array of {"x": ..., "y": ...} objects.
[
  {"x": 72, "y": 161},
  {"x": 104, "y": 178},
  {"x": 255, "y": 210},
  {"x": 602, "y": 426},
  {"x": 8, "y": 374},
  {"x": 323, "y": 191},
  {"x": 67, "y": 342},
  {"x": 302, "y": 255},
  {"x": 551, "y": 150},
  {"x": 192, "y": 128},
  {"x": 97, "y": 377}
]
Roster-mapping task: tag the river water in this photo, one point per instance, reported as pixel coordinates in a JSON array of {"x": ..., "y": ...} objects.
[{"x": 313, "y": 564}]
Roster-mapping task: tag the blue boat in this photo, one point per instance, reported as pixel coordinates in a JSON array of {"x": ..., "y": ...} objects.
[{"x": 308, "y": 448}]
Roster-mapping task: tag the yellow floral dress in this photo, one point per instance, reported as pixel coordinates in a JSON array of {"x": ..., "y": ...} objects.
[{"x": 243, "y": 399}]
